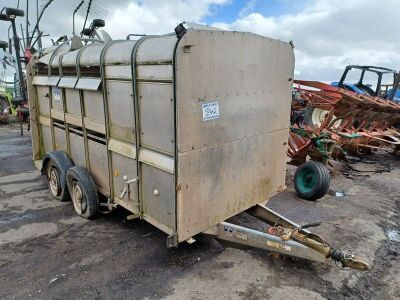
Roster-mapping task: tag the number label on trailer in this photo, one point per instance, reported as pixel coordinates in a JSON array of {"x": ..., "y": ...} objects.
[
  {"x": 57, "y": 94},
  {"x": 210, "y": 111}
]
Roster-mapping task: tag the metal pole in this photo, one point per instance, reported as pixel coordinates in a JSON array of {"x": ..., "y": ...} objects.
[
  {"x": 20, "y": 75},
  {"x": 18, "y": 57},
  {"x": 396, "y": 85},
  {"x": 22, "y": 34},
  {"x": 27, "y": 24},
  {"x": 87, "y": 14},
  {"x": 73, "y": 15},
  {"x": 37, "y": 20}
]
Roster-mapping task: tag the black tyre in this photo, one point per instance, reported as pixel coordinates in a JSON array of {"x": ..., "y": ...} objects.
[
  {"x": 83, "y": 192},
  {"x": 300, "y": 122},
  {"x": 362, "y": 151},
  {"x": 97, "y": 23},
  {"x": 307, "y": 119},
  {"x": 14, "y": 12},
  {"x": 3, "y": 45},
  {"x": 55, "y": 181},
  {"x": 311, "y": 180}
]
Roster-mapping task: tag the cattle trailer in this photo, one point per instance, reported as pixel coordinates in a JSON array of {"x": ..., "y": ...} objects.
[{"x": 184, "y": 130}]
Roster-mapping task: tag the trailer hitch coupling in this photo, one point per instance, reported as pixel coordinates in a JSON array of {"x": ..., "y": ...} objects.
[
  {"x": 349, "y": 260},
  {"x": 315, "y": 242},
  {"x": 285, "y": 237}
]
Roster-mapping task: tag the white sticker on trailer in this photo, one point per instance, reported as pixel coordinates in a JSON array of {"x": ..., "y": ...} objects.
[
  {"x": 210, "y": 111},
  {"x": 57, "y": 93}
]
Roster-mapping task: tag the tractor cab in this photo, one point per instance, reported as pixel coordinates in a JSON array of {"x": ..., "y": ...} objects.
[{"x": 371, "y": 81}]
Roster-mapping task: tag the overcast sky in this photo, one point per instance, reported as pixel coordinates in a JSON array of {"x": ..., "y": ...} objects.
[{"x": 328, "y": 34}]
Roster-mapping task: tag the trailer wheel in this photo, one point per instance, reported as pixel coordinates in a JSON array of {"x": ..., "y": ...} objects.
[
  {"x": 56, "y": 188},
  {"x": 311, "y": 180},
  {"x": 83, "y": 192},
  {"x": 54, "y": 167}
]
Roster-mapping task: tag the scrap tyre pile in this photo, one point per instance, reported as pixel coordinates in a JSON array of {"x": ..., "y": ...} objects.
[{"x": 311, "y": 180}]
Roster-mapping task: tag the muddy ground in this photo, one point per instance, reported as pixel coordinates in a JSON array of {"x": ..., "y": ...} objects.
[{"x": 47, "y": 252}]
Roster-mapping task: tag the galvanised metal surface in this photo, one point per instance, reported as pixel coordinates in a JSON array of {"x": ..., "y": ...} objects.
[
  {"x": 98, "y": 165},
  {"x": 233, "y": 105},
  {"x": 46, "y": 138},
  {"x": 72, "y": 101},
  {"x": 77, "y": 147},
  {"x": 156, "y": 49},
  {"x": 69, "y": 59},
  {"x": 43, "y": 94},
  {"x": 120, "y": 123},
  {"x": 121, "y": 110},
  {"x": 123, "y": 165},
  {"x": 60, "y": 138},
  {"x": 57, "y": 101},
  {"x": 93, "y": 104},
  {"x": 156, "y": 110},
  {"x": 182, "y": 132},
  {"x": 90, "y": 55},
  {"x": 119, "y": 53},
  {"x": 55, "y": 59}
]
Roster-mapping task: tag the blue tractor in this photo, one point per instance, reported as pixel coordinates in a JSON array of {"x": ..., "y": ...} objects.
[{"x": 369, "y": 81}]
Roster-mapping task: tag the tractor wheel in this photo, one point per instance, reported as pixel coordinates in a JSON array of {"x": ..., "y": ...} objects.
[
  {"x": 300, "y": 122},
  {"x": 83, "y": 192},
  {"x": 311, "y": 180},
  {"x": 314, "y": 117}
]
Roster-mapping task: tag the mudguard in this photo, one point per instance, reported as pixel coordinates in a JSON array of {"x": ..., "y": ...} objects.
[{"x": 62, "y": 162}]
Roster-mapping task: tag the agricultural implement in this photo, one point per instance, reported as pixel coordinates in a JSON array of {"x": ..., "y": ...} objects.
[
  {"x": 183, "y": 130},
  {"x": 339, "y": 120}
]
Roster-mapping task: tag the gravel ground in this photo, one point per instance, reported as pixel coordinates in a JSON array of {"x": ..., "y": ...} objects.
[{"x": 47, "y": 252}]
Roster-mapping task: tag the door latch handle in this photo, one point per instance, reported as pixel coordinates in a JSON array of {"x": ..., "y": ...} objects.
[{"x": 127, "y": 183}]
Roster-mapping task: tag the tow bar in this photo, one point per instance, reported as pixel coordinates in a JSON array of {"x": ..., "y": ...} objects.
[{"x": 286, "y": 237}]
